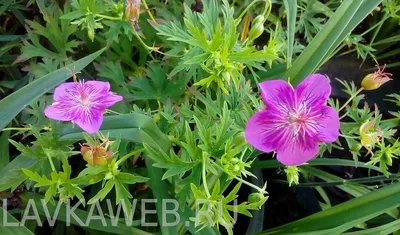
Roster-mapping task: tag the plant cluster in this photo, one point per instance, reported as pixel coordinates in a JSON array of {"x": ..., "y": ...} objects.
[{"x": 122, "y": 100}]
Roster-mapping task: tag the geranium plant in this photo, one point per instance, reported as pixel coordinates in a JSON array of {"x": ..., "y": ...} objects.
[{"x": 198, "y": 117}]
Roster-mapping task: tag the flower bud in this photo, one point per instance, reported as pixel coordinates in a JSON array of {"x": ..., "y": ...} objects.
[
  {"x": 259, "y": 19},
  {"x": 132, "y": 10},
  {"x": 374, "y": 80},
  {"x": 254, "y": 198},
  {"x": 256, "y": 31},
  {"x": 96, "y": 155},
  {"x": 369, "y": 135},
  {"x": 91, "y": 34},
  {"x": 292, "y": 175}
]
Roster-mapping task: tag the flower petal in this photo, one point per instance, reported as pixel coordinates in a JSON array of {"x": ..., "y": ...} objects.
[
  {"x": 62, "y": 91},
  {"x": 89, "y": 121},
  {"x": 107, "y": 100},
  {"x": 98, "y": 87},
  {"x": 56, "y": 112},
  {"x": 328, "y": 125},
  {"x": 278, "y": 95},
  {"x": 266, "y": 131},
  {"x": 313, "y": 91},
  {"x": 298, "y": 151}
]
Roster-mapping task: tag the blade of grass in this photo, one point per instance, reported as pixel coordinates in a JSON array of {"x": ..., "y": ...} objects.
[
  {"x": 11, "y": 105},
  {"x": 388, "y": 228},
  {"x": 11, "y": 175},
  {"x": 366, "y": 8},
  {"x": 291, "y": 9},
  {"x": 343, "y": 21},
  {"x": 360, "y": 180},
  {"x": 355, "y": 190},
  {"x": 4, "y": 150},
  {"x": 344, "y": 216},
  {"x": 94, "y": 224},
  {"x": 11, "y": 229},
  {"x": 316, "y": 51}
]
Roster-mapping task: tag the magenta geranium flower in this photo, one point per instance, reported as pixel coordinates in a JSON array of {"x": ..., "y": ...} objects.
[
  {"x": 295, "y": 120},
  {"x": 82, "y": 103}
]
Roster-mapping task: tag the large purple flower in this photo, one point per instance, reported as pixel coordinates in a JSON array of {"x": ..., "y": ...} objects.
[
  {"x": 82, "y": 103},
  {"x": 295, "y": 119}
]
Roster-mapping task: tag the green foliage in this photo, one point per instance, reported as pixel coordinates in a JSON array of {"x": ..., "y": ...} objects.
[
  {"x": 188, "y": 80},
  {"x": 57, "y": 32},
  {"x": 214, "y": 209},
  {"x": 213, "y": 46},
  {"x": 157, "y": 87},
  {"x": 59, "y": 184}
]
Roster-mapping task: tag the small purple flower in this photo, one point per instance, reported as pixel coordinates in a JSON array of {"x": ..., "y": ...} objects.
[
  {"x": 82, "y": 103},
  {"x": 295, "y": 120}
]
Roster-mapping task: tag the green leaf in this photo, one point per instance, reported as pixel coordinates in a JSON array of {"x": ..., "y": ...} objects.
[
  {"x": 291, "y": 11},
  {"x": 50, "y": 192},
  {"x": 29, "y": 93},
  {"x": 388, "y": 228},
  {"x": 121, "y": 192},
  {"x": 175, "y": 171},
  {"x": 342, "y": 22},
  {"x": 11, "y": 176},
  {"x": 96, "y": 225},
  {"x": 128, "y": 178},
  {"x": 133, "y": 127},
  {"x": 11, "y": 230},
  {"x": 139, "y": 128},
  {"x": 157, "y": 87},
  {"x": 34, "y": 176},
  {"x": 344, "y": 216},
  {"x": 4, "y": 150},
  {"x": 355, "y": 190},
  {"x": 103, "y": 192}
]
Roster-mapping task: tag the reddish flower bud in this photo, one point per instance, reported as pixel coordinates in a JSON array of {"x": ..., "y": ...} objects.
[
  {"x": 96, "y": 155},
  {"x": 132, "y": 10}
]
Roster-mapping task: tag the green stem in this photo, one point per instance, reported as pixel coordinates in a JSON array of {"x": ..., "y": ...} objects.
[
  {"x": 148, "y": 11},
  {"x": 114, "y": 112},
  {"x": 124, "y": 158},
  {"x": 362, "y": 180},
  {"x": 350, "y": 99},
  {"x": 204, "y": 178},
  {"x": 249, "y": 6},
  {"x": 149, "y": 49},
  {"x": 260, "y": 190},
  {"x": 109, "y": 17},
  {"x": 379, "y": 24},
  {"x": 243, "y": 181},
  {"x": 17, "y": 129},
  {"x": 51, "y": 162},
  {"x": 175, "y": 140}
]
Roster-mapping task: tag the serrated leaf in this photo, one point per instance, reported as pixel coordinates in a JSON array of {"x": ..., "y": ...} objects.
[
  {"x": 175, "y": 171},
  {"x": 128, "y": 178},
  {"x": 50, "y": 192},
  {"x": 34, "y": 176},
  {"x": 103, "y": 192},
  {"x": 121, "y": 192}
]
